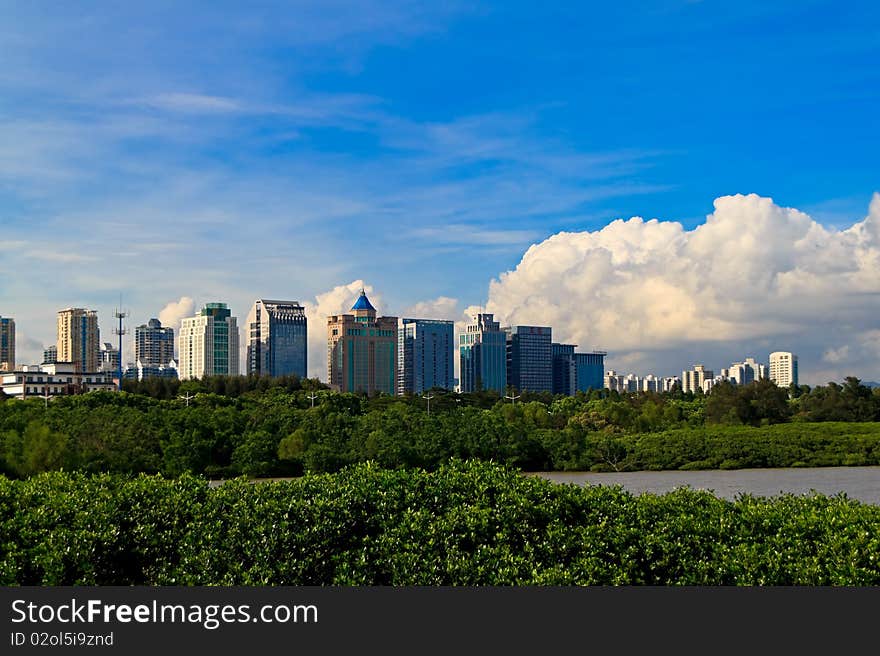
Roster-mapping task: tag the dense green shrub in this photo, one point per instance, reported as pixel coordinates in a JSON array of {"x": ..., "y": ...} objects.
[{"x": 467, "y": 523}]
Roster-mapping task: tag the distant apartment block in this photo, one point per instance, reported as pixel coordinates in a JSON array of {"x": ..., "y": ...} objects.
[
  {"x": 529, "y": 358},
  {"x": 7, "y": 344},
  {"x": 209, "y": 343},
  {"x": 425, "y": 355},
  {"x": 670, "y": 382},
  {"x": 693, "y": 380},
  {"x": 362, "y": 350},
  {"x": 745, "y": 372},
  {"x": 50, "y": 354},
  {"x": 153, "y": 344},
  {"x": 482, "y": 352},
  {"x": 277, "y": 337},
  {"x": 78, "y": 339},
  {"x": 784, "y": 368},
  {"x": 110, "y": 358}
]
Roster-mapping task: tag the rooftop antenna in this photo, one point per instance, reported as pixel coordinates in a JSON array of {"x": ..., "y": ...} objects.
[{"x": 120, "y": 330}]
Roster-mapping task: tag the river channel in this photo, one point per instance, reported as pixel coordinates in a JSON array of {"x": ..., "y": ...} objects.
[{"x": 860, "y": 483}]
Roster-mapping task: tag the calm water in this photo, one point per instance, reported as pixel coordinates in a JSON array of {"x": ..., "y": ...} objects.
[{"x": 861, "y": 483}]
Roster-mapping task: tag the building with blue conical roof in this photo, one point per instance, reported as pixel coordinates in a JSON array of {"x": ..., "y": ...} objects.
[{"x": 362, "y": 350}]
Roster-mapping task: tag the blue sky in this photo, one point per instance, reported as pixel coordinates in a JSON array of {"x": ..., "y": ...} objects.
[{"x": 225, "y": 152}]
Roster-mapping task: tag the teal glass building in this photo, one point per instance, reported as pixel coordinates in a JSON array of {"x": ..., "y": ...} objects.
[{"x": 482, "y": 354}]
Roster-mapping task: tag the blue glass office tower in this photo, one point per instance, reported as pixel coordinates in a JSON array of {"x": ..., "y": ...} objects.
[
  {"x": 577, "y": 372},
  {"x": 483, "y": 356},
  {"x": 564, "y": 369},
  {"x": 426, "y": 349},
  {"x": 277, "y": 339},
  {"x": 529, "y": 358},
  {"x": 590, "y": 370}
]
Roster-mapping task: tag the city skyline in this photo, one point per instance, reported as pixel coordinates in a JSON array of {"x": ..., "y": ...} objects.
[
  {"x": 607, "y": 170},
  {"x": 752, "y": 369}
]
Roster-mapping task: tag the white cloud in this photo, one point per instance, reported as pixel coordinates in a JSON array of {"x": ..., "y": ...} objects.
[
  {"x": 836, "y": 355},
  {"x": 442, "y": 307},
  {"x": 192, "y": 102},
  {"x": 754, "y": 274},
  {"x": 175, "y": 311}
]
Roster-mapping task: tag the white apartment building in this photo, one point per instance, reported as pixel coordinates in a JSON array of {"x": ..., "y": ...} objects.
[
  {"x": 745, "y": 372},
  {"x": 693, "y": 380},
  {"x": 783, "y": 368}
]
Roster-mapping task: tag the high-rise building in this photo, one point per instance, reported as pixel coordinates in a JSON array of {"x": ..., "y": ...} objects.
[
  {"x": 783, "y": 368},
  {"x": 529, "y": 358},
  {"x": 362, "y": 350},
  {"x": 209, "y": 343},
  {"x": 745, "y": 372},
  {"x": 277, "y": 339},
  {"x": 79, "y": 339},
  {"x": 7, "y": 344},
  {"x": 482, "y": 351},
  {"x": 153, "y": 344},
  {"x": 425, "y": 352},
  {"x": 50, "y": 354},
  {"x": 590, "y": 370},
  {"x": 577, "y": 372},
  {"x": 693, "y": 380},
  {"x": 564, "y": 368},
  {"x": 109, "y": 358}
]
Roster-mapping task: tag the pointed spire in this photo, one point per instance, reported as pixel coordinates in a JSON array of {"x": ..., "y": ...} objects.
[{"x": 363, "y": 303}]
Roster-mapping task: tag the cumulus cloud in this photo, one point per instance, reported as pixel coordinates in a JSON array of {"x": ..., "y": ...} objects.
[
  {"x": 175, "y": 311},
  {"x": 754, "y": 276},
  {"x": 836, "y": 355},
  {"x": 442, "y": 307}
]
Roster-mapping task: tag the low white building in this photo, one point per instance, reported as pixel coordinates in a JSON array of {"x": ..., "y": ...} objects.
[{"x": 56, "y": 379}]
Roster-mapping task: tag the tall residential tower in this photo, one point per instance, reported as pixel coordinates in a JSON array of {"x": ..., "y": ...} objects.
[
  {"x": 79, "y": 341},
  {"x": 783, "y": 368},
  {"x": 154, "y": 344}
]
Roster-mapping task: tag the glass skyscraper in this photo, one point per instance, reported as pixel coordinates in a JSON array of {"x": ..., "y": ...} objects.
[
  {"x": 426, "y": 349},
  {"x": 482, "y": 351},
  {"x": 277, "y": 339},
  {"x": 577, "y": 372},
  {"x": 529, "y": 358}
]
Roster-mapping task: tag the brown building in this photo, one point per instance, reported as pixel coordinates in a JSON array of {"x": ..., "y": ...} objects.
[
  {"x": 362, "y": 350},
  {"x": 78, "y": 339}
]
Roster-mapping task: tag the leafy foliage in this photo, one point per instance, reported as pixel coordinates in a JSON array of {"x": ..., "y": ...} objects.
[{"x": 467, "y": 523}]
